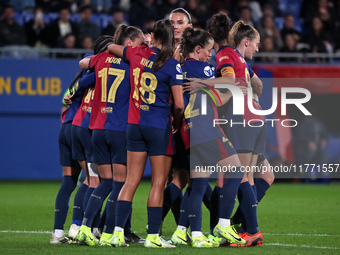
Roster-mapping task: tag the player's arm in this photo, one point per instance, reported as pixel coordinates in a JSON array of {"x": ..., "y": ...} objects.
[
  {"x": 87, "y": 80},
  {"x": 257, "y": 84},
  {"x": 116, "y": 49},
  {"x": 85, "y": 63},
  {"x": 178, "y": 102}
]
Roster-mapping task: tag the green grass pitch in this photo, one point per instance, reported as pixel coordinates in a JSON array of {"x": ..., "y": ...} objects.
[{"x": 295, "y": 219}]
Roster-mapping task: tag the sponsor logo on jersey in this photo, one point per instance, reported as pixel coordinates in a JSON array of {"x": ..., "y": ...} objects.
[
  {"x": 179, "y": 77},
  {"x": 144, "y": 107},
  {"x": 178, "y": 68},
  {"x": 224, "y": 57}
]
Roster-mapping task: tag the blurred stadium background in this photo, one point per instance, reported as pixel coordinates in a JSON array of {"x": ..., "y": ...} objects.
[{"x": 299, "y": 39}]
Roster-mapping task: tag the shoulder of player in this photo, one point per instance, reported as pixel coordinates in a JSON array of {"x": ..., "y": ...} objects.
[
  {"x": 172, "y": 61},
  {"x": 227, "y": 53}
]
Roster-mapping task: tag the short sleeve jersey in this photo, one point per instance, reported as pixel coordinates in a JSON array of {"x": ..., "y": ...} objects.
[
  {"x": 150, "y": 91},
  {"x": 201, "y": 126},
  {"x": 229, "y": 60},
  {"x": 111, "y": 100}
]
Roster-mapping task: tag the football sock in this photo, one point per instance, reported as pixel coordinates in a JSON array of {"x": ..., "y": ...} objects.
[
  {"x": 261, "y": 187},
  {"x": 196, "y": 233},
  {"x": 228, "y": 194},
  {"x": 198, "y": 187},
  {"x": 59, "y": 233},
  {"x": 154, "y": 219},
  {"x": 207, "y": 196},
  {"x": 123, "y": 209},
  {"x": 97, "y": 219},
  {"x": 176, "y": 207},
  {"x": 255, "y": 192},
  {"x": 238, "y": 216},
  {"x": 214, "y": 208},
  {"x": 68, "y": 184},
  {"x": 224, "y": 222},
  {"x": 171, "y": 193},
  {"x": 127, "y": 228},
  {"x": 78, "y": 211},
  {"x": 111, "y": 207},
  {"x": 103, "y": 218},
  {"x": 249, "y": 208},
  {"x": 183, "y": 218},
  {"x": 96, "y": 201},
  {"x": 87, "y": 196}
]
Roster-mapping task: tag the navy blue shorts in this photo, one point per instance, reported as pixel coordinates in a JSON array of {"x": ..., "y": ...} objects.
[
  {"x": 109, "y": 146},
  {"x": 248, "y": 139},
  {"x": 154, "y": 141},
  {"x": 65, "y": 146},
  {"x": 209, "y": 153},
  {"x": 181, "y": 159},
  {"x": 81, "y": 144}
]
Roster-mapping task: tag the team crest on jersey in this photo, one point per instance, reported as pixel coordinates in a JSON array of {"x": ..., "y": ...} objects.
[
  {"x": 207, "y": 71},
  {"x": 178, "y": 68}
]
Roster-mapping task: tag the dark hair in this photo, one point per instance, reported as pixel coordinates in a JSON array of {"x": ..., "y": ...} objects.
[
  {"x": 85, "y": 7},
  {"x": 99, "y": 46},
  {"x": 240, "y": 31},
  {"x": 163, "y": 33},
  {"x": 185, "y": 12},
  {"x": 124, "y": 32},
  {"x": 219, "y": 27},
  {"x": 145, "y": 32},
  {"x": 192, "y": 38}
]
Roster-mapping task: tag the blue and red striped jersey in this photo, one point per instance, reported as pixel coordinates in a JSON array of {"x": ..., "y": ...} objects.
[
  {"x": 230, "y": 60},
  {"x": 150, "y": 91},
  {"x": 110, "y": 104}
]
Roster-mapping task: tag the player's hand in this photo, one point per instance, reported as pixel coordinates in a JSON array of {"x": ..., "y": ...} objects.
[
  {"x": 193, "y": 85},
  {"x": 243, "y": 89},
  {"x": 67, "y": 99}
]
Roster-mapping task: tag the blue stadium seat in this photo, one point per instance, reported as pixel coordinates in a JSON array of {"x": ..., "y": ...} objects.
[
  {"x": 96, "y": 19},
  {"x": 75, "y": 17},
  {"x": 52, "y": 16},
  {"x": 105, "y": 20},
  {"x": 18, "y": 18},
  {"x": 279, "y": 22},
  {"x": 291, "y": 7},
  {"x": 27, "y": 16}
]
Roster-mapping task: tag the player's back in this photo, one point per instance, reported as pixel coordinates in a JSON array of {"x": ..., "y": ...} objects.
[
  {"x": 149, "y": 104},
  {"x": 111, "y": 98}
]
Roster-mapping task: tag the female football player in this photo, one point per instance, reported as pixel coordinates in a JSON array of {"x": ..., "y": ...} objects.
[
  {"x": 249, "y": 137},
  {"x": 71, "y": 168},
  {"x": 154, "y": 75},
  {"x": 208, "y": 149},
  {"x": 109, "y": 116}
]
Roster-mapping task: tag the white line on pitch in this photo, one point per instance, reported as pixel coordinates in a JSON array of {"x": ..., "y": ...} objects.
[
  {"x": 302, "y": 246},
  {"x": 297, "y": 234},
  {"x": 25, "y": 232}
]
